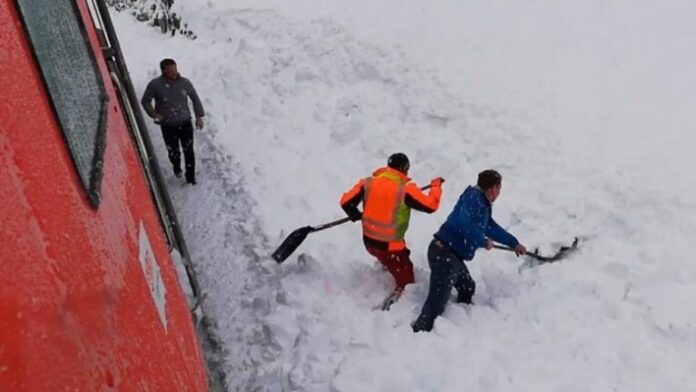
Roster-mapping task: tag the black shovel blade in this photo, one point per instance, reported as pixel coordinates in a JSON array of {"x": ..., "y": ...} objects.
[
  {"x": 291, "y": 243},
  {"x": 535, "y": 259},
  {"x": 562, "y": 253}
]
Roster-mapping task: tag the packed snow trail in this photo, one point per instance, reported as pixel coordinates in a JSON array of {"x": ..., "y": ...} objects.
[{"x": 298, "y": 110}]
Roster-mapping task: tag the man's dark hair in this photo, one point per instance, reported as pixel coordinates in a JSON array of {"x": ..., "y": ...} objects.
[
  {"x": 165, "y": 63},
  {"x": 488, "y": 179},
  {"x": 399, "y": 161}
]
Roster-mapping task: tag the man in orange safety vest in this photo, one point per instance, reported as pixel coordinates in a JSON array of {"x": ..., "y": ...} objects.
[{"x": 388, "y": 197}]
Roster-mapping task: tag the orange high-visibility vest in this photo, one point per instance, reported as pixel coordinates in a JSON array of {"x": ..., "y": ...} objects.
[{"x": 385, "y": 215}]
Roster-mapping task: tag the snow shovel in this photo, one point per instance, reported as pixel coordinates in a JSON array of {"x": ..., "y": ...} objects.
[
  {"x": 295, "y": 238},
  {"x": 562, "y": 252}
]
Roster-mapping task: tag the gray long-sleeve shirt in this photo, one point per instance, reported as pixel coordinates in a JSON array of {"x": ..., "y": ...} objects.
[{"x": 171, "y": 100}]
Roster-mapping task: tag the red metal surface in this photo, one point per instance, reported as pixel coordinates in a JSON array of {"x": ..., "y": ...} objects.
[{"x": 76, "y": 311}]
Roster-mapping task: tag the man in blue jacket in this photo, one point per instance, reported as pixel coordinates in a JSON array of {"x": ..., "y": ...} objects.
[{"x": 468, "y": 227}]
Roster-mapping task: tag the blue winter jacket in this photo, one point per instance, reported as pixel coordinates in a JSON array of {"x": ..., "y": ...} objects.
[{"x": 469, "y": 225}]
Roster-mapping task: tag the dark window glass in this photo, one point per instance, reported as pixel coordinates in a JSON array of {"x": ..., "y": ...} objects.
[{"x": 73, "y": 81}]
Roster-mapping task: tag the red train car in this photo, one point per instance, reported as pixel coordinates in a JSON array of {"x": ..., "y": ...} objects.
[{"x": 90, "y": 299}]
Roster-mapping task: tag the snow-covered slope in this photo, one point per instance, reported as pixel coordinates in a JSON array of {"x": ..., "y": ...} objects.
[{"x": 584, "y": 110}]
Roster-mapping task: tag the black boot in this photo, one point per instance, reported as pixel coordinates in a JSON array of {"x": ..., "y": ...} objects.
[
  {"x": 464, "y": 300},
  {"x": 421, "y": 325}
]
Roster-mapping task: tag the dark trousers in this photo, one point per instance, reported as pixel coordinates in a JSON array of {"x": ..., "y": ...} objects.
[
  {"x": 446, "y": 271},
  {"x": 398, "y": 263},
  {"x": 174, "y": 136}
]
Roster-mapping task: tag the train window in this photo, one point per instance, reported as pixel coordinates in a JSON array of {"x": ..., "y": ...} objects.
[{"x": 74, "y": 84}]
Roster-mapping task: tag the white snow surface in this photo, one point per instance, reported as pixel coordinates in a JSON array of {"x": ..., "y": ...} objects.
[{"x": 586, "y": 108}]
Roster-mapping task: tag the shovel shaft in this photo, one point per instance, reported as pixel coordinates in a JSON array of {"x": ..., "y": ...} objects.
[
  {"x": 532, "y": 255},
  {"x": 296, "y": 238},
  {"x": 546, "y": 259},
  {"x": 330, "y": 224},
  {"x": 344, "y": 220}
]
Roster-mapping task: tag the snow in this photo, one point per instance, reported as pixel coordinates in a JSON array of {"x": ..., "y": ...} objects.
[{"x": 584, "y": 107}]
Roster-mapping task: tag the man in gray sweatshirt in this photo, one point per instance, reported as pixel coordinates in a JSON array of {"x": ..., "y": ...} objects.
[{"x": 171, "y": 92}]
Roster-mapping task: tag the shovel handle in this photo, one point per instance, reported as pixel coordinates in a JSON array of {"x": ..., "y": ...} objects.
[
  {"x": 533, "y": 255},
  {"x": 330, "y": 224},
  {"x": 347, "y": 219}
]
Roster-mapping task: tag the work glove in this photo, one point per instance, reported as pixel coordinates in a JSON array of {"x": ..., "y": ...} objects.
[
  {"x": 355, "y": 216},
  {"x": 437, "y": 181}
]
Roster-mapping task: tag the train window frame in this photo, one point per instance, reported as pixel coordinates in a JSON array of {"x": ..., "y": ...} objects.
[{"x": 85, "y": 144}]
